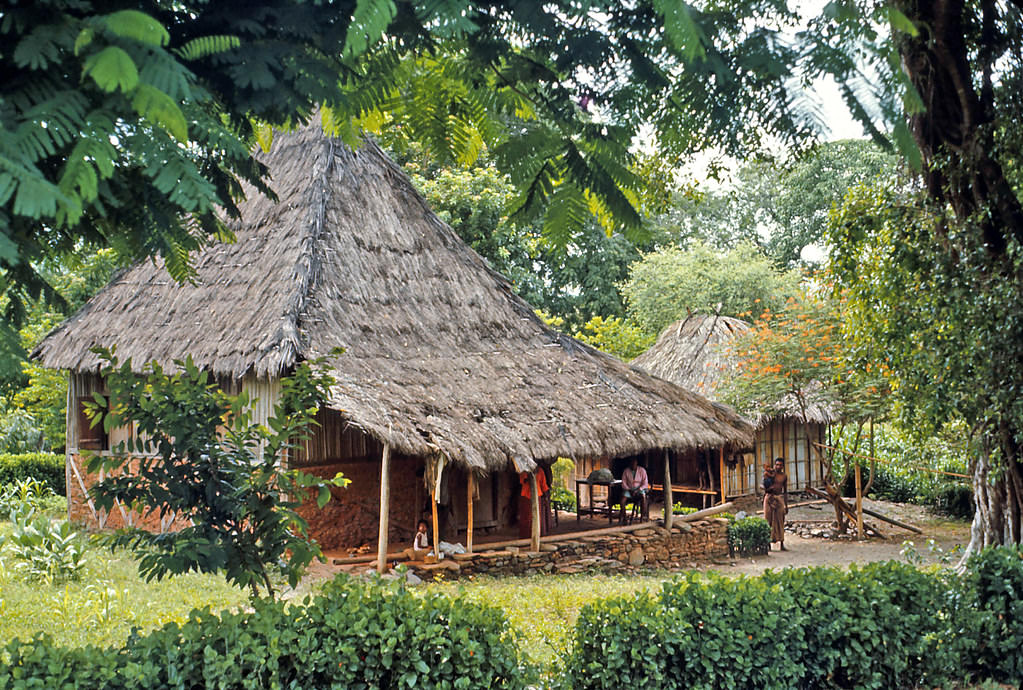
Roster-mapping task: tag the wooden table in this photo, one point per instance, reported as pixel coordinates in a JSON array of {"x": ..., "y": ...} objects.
[{"x": 590, "y": 509}]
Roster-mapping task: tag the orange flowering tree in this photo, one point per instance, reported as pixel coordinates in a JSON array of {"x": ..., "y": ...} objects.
[{"x": 795, "y": 363}]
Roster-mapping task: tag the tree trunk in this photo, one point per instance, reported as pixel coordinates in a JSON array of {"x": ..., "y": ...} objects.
[
  {"x": 998, "y": 494},
  {"x": 954, "y": 134}
]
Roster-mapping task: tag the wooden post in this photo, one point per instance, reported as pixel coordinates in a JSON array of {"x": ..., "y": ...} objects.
[
  {"x": 721, "y": 463},
  {"x": 468, "y": 526},
  {"x": 669, "y": 501},
  {"x": 859, "y": 501},
  {"x": 436, "y": 525},
  {"x": 385, "y": 508},
  {"x": 534, "y": 500}
]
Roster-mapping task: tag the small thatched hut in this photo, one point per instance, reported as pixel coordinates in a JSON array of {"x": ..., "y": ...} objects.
[
  {"x": 444, "y": 366},
  {"x": 694, "y": 353}
]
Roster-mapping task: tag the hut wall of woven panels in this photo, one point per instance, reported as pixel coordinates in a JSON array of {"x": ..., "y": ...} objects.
[{"x": 792, "y": 440}]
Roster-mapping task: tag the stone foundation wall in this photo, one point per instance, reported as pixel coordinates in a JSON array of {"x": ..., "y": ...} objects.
[{"x": 688, "y": 544}]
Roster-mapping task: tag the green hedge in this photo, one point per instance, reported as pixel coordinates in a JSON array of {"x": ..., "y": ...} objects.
[
  {"x": 352, "y": 635},
  {"x": 996, "y": 583},
  {"x": 884, "y": 625},
  {"x": 46, "y": 467}
]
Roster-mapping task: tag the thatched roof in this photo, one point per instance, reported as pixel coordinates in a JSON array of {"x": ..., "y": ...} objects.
[
  {"x": 441, "y": 355},
  {"x": 695, "y": 353}
]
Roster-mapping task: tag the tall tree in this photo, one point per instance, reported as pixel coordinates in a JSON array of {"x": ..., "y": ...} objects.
[
  {"x": 131, "y": 124},
  {"x": 781, "y": 206},
  {"x": 945, "y": 270},
  {"x": 668, "y": 284}
]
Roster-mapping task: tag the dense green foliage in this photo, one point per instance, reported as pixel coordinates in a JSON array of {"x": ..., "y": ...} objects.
[
  {"x": 43, "y": 549},
  {"x": 996, "y": 578},
  {"x": 563, "y": 499},
  {"x": 795, "y": 359},
  {"x": 884, "y": 625},
  {"x": 749, "y": 536},
  {"x": 352, "y": 635},
  {"x": 780, "y": 206},
  {"x": 199, "y": 456},
  {"x": 576, "y": 281},
  {"x": 666, "y": 285},
  {"x": 34, "y": 408},
  {"x": 130, "y": 126},
  {"x": 45, "y": 467},
  {"x": 941, "y": 324},
  {"x": 617, "y": 336}
]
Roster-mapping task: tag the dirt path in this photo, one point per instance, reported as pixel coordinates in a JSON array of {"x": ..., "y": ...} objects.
[{"x": 947, "y": 535}]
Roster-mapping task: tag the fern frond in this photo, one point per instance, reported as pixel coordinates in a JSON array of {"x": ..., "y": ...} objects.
[
  {"x": 369, "y": 22},
  {"x": 567, "y": 213},
  {"x": 160, "y": 110},
  {"x": 206, "y": 46}
]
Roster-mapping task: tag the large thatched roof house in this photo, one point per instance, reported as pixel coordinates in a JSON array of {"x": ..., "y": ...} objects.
[
  {"x": 442, "y": 360},
  {"x": 695, "y": 353}
]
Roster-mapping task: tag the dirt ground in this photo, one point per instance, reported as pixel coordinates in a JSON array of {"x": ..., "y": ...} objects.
[{"x": 948, "y": 535}]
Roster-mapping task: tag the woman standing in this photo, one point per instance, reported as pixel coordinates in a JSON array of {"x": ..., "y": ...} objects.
[{"x": 776, "y": 500}]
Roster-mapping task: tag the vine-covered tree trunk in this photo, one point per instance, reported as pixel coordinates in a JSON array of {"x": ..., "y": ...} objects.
[
  {"x": 955, "y": 134},
  {"x": 998, "y": 492}
]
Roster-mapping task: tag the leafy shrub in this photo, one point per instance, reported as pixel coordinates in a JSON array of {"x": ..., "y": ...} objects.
[
  {"x": 29, "y": 494},
  {"x": 892, "y": 486},
  {"x": 354, "y": 634},
  {"x": 954, "y": 499},
  {"x": 45, "y": 549},
  {"x": 46, "y": 467},
  {"x": 563, "y": 472},
  {"x": 19, "y": 433},
  {"x": 563, "y": 499},
  {"x": 679, "y": 509},
  {"x": 996, "y": 580},
  {"x": 749, "y": 536},
  {"x": 880, "y": 626}
]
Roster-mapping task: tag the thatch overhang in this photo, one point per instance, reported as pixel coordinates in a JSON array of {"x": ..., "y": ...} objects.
[
  {"x": 695, "y": 353},
  {"x": 441, "y": 356}
]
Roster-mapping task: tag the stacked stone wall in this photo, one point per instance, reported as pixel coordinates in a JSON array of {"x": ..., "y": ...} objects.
[{"x": 688, "y": 544}]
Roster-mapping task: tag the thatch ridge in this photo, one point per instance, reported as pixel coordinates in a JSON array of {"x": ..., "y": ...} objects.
[
  {"x": 441, "y": 355},
  {"x": 694, "y": 353}
]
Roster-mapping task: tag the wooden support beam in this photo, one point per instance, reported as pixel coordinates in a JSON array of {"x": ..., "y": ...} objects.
[
  {"x": 721, "y": 475},
  {"x": 893, "y": 521},
  {"x": 385, "y": 508},
  {"x": 669, "y": 501},
  {"x": 436, "y": 525},
  {"x": 851, "y": 512},
  {"x": 859, "y": 502},
  {"x": 468, "y": 527},
  {"x": 534, "y": 501},
  {"x": 707, "y": 512}
]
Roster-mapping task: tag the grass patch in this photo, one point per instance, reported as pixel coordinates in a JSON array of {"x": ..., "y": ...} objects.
[
  {"x": 544, "y": 608},
  {"x": 105, "y": 603}
]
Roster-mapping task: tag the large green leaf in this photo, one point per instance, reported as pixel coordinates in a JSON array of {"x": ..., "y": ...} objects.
[
  {"x": 161, "y": 110},
  {"x": 112, "y": 69},
  {"x": 137, "y": 25}
]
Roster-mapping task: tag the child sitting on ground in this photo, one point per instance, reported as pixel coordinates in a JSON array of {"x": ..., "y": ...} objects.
[{"x": 420, "y": 545}]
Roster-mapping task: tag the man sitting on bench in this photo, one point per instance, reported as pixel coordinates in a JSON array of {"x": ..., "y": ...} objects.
[{"x": 635, "y": 487}]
